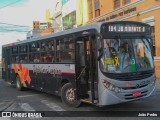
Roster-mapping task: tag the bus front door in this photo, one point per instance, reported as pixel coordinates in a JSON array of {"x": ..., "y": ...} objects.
[{"x": 84, "y": 74}]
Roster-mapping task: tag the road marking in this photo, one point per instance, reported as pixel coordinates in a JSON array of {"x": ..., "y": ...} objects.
[
  {"x": 26, "y": 95},
  {"x": 26, "y": 107},
  {"x": 53, "y": 106},
  {"x": 5, "y": 118}
]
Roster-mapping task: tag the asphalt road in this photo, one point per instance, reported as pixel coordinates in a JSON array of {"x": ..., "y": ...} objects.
[{"x": 31, "y": 100}]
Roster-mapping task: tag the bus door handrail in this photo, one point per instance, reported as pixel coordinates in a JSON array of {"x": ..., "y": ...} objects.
[{"x": 82, "y": 72}]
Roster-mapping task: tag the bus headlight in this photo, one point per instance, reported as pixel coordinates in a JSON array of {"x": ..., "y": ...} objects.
[
  {"x": 106, "y": 83},
  {"x": 118, "y": 89},
  {"x": 111, "y": 86},
  {"x": 152, "y": 83}
]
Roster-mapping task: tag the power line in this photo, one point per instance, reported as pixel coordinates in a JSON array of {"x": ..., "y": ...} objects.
[
  {"x": 13, "y": 24},
  {"x": 7, "y": 27},
  {"x": 12, "y": 31},
  {"x": 10, "y": 4},
  {"x": 11, "y": 27}
]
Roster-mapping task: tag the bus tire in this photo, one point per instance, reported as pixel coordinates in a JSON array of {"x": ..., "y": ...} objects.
[
  {"x": 68, "y": 96},
  {"x": 18, "y": 84}
]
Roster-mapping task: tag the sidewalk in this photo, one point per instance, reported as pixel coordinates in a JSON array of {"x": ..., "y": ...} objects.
[{"x": 158, "y": 84}]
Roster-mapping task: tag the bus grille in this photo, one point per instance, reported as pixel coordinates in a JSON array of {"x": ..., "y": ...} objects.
[
  {"x": 130, "y": 97},
  {"x": 130, "y": 76},
  {"x": 129, "y": 88}
]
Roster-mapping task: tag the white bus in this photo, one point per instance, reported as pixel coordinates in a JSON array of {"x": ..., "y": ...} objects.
[{"x": 104, "y": 63}]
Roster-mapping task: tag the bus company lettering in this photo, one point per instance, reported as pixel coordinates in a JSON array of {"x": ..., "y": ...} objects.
[{"x": 41, "y": 69}]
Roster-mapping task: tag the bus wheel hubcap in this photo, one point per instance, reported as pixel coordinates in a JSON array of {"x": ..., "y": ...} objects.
[{"x": 70, "y": 95}]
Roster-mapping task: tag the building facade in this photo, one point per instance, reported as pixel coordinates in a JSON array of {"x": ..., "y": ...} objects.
[
  {"x": 40, "y": 29},
  {"x": 68, "y": 14},
  {"x": 57, "y": 17},
  {"x": 74, "y": 13},
  {"x": 146, "y": 11}
]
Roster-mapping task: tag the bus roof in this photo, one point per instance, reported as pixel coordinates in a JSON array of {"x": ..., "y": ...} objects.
[
  {"x": 65, "y": 32},
  {"x": 69, "y": 31}
]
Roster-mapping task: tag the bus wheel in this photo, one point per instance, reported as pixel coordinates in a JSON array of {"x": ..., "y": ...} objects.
[
  {"x": 18, "y": 84},
  {"x": 68, "y": 95}
]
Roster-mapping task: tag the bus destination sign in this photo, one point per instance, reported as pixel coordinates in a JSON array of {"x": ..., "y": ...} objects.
[
  {"x": 127, "y": 28},
  {"x": 120, "y": 28}
]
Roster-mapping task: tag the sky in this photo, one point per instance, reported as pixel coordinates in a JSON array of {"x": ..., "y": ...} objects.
[{"x": 16, "y": 17}]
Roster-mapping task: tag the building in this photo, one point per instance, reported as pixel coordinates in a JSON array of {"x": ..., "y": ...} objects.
[
  {"x": 57, "y": 17},
  {"x": 74, "y": 13},
  {"x": 68, "y": 14},
  {"x": 81, "y": 12},
  {"x": 40, "y": 29},
  {"x": 146, "y": 11}
]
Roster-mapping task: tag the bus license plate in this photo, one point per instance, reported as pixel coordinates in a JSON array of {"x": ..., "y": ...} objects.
[{"x": 135, "y": 94}]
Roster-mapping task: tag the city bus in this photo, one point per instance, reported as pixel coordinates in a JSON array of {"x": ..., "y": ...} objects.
[{"x": 103, "y": 63}]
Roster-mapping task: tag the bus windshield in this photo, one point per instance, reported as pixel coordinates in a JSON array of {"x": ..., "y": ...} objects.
[{"x": 126, "y": 55}]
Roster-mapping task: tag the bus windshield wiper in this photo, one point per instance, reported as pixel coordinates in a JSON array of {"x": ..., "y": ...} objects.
[{"x": 147, "y": 41}]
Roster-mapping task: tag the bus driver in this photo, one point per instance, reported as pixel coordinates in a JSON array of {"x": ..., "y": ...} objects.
[{"x": 124, "y": 58}]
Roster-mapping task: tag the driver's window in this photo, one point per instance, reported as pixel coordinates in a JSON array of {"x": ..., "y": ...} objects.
[
  {"x": 109, "y": 60},
  {"x": 110, "y": 48},
  {"x": 124, "y": 56}
]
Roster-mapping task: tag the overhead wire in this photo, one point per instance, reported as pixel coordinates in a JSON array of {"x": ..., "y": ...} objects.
[
  {"x": 10, "y": 4},
  {"x": 16, "y": 29},
  {"x": 12, "y": 24},
  {"x": 7, "y": 27}
]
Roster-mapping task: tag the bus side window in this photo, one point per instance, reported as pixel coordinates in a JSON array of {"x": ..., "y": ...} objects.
[
  {"x": 36, "y": 58},
  {"x": 57, "y": 50},
  {"x": 24, "y": 58},
  {"x": 65, "y": 57},
  {"x": 42, "y": 46},
  {"x": 34, "y": 47},
  {"x": 51, "y": 45},
  {"x": 23, "y": 49},
  {"x": 15, "y": 50},
  {"x": 57, "y": 44},
  {"x": 48, "y": 58},
  {"x": 13, "y": 58},
  {"x": 17, "y": 59}
]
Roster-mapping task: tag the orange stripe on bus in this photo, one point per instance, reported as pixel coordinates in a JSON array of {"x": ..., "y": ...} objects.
[
  {"x": 24, "y": 84},
  {"x": 28, "y": 79},
  {"x": 26, "y": 74},
  {"x": 23, "y": 72},
  {"x": 20, "y": 67},
  {"x": 15, "y": 68},
  {"x": 21, "y": 80}
]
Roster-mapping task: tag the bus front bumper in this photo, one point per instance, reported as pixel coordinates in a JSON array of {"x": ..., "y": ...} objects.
[{"x": 110, "y": 97}]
